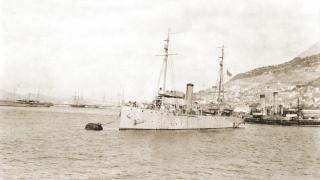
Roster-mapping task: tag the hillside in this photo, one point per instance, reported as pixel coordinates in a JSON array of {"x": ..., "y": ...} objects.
[
  {"x": 245, "y": 88},
  {"x": 315, "y": 49},
  {"x": 314, "y": 83},
  {"x": 307, "y": 66},
  {"x": 307, "y": 61}
]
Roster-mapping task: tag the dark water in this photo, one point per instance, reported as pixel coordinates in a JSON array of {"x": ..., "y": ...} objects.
[{"x": 51, "y": 143}]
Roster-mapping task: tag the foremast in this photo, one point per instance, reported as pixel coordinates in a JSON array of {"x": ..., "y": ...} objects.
[
  {"x": 165, "y": 59},
  {"x": 165, "y": 65}
]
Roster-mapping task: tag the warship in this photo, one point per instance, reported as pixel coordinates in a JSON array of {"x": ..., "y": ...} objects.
[
  {"x": 173, "y": 110},
  {"x": 279, "y": 115}
]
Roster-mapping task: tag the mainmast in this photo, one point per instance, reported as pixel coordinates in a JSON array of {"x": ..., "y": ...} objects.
[{"x": 220, "y": 85}]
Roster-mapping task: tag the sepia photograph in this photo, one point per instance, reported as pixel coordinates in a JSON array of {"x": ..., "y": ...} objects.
[{"x": 160, "y": 89}]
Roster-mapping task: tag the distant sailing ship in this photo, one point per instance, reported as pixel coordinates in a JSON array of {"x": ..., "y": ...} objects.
[
  {"x": 76, "y": 102},
  {"x": 172, "y": 110}
]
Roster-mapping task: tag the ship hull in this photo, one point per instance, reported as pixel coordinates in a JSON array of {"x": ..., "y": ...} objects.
[
  {"x": 275, "y": 121},
  {"x": 17, "y": 104},
  {"x": 78, "y": 105},
  {"x": 147, "y": 119}
]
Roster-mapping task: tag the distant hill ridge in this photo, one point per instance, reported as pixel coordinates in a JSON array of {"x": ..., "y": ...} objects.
[
  {"x": 297, "y": 62},
  {"x": 306, "y": 59},
  {"x": 314, "y": 49}
]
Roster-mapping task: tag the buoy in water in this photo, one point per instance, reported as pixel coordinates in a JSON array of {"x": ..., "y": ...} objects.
[{"x": 94, "y": 126}]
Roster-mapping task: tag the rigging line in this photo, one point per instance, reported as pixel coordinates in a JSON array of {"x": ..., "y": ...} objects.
[
  {"x": 172, "y": 73},
  {"x": 108, "y": 122},
  {"x": 173, "y": 80},
  {"x": 216, "y": 88},
  {"x": 161, "y": 72},
  {"x": 217, "y": 85}
]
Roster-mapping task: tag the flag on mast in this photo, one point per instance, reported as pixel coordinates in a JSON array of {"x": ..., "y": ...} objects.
[{"x": 229, "y": 73}]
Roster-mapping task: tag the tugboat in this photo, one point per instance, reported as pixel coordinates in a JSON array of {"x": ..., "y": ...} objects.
[{"x": 172, "y": 110}]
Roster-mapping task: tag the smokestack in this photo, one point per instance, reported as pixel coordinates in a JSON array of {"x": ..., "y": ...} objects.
[
  {"x": 280, "y": 109},
  {"x": 275, "y": 104},
  {"x": 263, "y": 104},
  {"x": 189, "y": 93}
]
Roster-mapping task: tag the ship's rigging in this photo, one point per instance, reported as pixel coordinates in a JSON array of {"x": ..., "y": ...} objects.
[
  {"x": 164, "y": 69},
  {"x": 220, "y": 90}
]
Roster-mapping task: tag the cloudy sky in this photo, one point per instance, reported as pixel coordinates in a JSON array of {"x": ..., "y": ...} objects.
[{"x": 108, "y": 47}]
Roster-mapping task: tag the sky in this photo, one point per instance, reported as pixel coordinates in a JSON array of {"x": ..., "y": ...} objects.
[{"x": 105, "y": 47}]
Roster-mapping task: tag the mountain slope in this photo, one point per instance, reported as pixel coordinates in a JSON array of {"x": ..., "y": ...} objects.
[
  {"x": 245, "y": 88},
  {"x": 308, "y": 67},
  {"x": 315, "y": 49}
]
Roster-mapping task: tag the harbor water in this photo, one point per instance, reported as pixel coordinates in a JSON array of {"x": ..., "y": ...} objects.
[{"x": 51, "y": 143}]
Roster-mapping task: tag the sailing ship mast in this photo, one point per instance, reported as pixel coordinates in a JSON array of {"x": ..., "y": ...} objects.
[
  {"x": 220, "y": 83},
  {"x": 76, "y": 98}
]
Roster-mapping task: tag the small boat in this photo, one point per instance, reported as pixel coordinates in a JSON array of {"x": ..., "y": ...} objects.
[{"x": 94, "y": 126}]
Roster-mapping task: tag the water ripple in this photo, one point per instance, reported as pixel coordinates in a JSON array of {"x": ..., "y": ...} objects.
[{"x": 51, "y": 143}]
